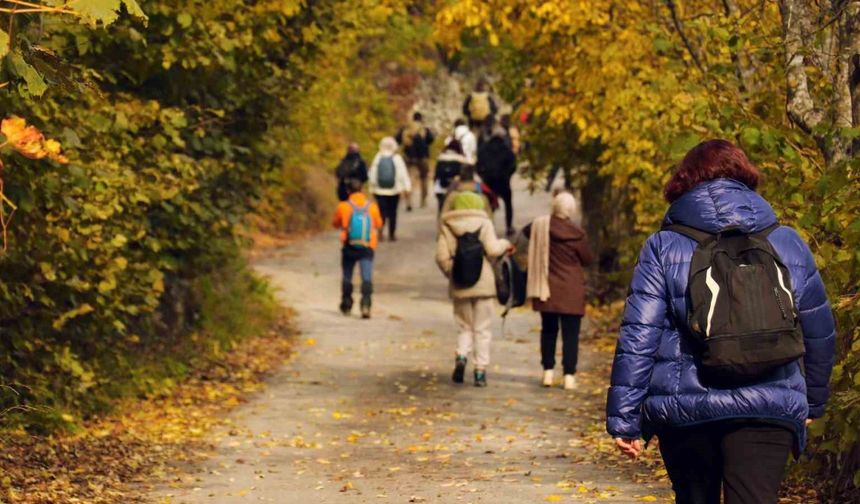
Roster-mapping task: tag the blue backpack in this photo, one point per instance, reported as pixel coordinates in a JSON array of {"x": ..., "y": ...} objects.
[
  {"x": 386, "y": 177},
  {"x": 360, "y": 226}
]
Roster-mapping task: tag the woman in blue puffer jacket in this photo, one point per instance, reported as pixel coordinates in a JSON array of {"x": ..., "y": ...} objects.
[{"x": 737, "y": 438}]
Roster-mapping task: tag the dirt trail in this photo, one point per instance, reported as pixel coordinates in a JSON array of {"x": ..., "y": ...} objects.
[{"x": 366, "y": 412}]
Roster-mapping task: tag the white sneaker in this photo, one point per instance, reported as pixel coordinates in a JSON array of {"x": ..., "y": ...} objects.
[
  {"x": 569, "y": 382},
  {"x": 547, "y": 378}
]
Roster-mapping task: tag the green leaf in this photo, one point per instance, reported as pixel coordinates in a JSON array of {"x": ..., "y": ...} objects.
[
  {"x": 106, "y": 12},
  {"x": 4, "y": 43},
  {"x": 18, "y": 67},
  {"x": 184, "y": 19}
]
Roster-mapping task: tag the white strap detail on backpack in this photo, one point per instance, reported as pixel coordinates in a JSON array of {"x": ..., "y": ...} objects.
[{"x": 715, "y": 291}]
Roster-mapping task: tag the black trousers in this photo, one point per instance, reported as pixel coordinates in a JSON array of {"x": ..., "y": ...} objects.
[
  {"x": 746, "y": 458},
  {"x": 388, "y": 208},
  {"x": 570, "y": 325}
]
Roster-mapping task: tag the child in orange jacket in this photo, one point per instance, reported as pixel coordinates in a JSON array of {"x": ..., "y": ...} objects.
[{"x": 360, "y": 221}]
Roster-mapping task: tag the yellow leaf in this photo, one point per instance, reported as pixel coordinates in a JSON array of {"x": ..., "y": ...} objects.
[
  {"x": 648, "y": 498},
  {"x": 554, "y": 498}
]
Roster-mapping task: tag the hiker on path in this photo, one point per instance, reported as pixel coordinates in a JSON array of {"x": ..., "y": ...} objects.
[
  {"x": 360, "y": 221},
  {"x": 352, "y": 166},
  {"x": 729, "y": 385},
  {"x": 496, "y": 165},
  {"x": 558, "y": 252},
  {"x": 466, "y": 243},
  {"x": 416, "y": 138},
  {"x": 448, "y": 166},
  {"x": 479, "y": 105},
  {"x": 467, "y": 140},
  {"x": 389, "y": 178}
]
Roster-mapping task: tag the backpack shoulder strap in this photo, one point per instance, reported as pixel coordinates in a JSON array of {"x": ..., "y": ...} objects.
[{"x": 690, "y": 232}]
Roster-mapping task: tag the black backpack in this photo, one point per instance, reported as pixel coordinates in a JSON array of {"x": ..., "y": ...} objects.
[
  {"x": 741, "y": 313},
  {"x": 446, "y": 171},
  {"x": 510, "y": 284},
  {"x": 468, "y": 260},
  {"x": 417, "y": 147}
]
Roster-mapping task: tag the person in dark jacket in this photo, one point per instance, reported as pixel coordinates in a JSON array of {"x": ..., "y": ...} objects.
[
  {"x": 734, "y": 437},
  {"x": 496, "y": 165},
  {"x": 415, "y": 138},
  {"x": 352, "y": 166},
  {"x": 558, "y": 251}
]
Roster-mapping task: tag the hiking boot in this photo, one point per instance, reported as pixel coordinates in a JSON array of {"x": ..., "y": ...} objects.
[
  {"x": 346, "y": 298},
  {"x": 480, "y": 378},
  {"x": 459, "y": 369},
  {"x": 366, "y": 299}
]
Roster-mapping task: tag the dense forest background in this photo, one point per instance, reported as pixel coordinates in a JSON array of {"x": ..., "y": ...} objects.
[{"x": 190, "y": 129}]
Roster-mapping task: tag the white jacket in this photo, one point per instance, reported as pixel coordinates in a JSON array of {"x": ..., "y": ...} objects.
[
  {"x": 401, "y": 177},
  {"x": 469, "y": 142}
]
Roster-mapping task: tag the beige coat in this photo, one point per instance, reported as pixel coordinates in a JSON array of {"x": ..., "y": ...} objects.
[{"x": 454, "y": 224}]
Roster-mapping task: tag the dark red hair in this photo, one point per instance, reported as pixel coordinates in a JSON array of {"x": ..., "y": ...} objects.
[{"x": 711, "y": 159}]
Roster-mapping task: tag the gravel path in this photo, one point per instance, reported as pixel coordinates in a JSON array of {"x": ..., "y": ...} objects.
[{"x": 366, "y": 411}]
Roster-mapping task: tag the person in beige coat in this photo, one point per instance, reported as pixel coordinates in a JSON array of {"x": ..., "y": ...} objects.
[{"x": 473, "y": 304}]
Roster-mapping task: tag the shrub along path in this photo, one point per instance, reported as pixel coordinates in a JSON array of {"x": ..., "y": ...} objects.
[{"x": 366, "y": 411}]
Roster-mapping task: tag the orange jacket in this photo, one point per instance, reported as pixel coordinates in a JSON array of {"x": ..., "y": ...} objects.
[{"x": 343, "y": 213}]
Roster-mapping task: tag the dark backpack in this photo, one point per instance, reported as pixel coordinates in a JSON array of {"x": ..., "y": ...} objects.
[
  {"x": 417, "y": 147},
  {"x": 510, "y": 284},
  {"x": 386, "y": 174},
  {"x": 446, "y": 171},
  {"x": 741, "y": 313},
  {"x": 468, "y": 260}
]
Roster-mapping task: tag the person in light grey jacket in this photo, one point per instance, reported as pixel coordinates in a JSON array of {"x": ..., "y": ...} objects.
[{"x": 389, "y": 178}]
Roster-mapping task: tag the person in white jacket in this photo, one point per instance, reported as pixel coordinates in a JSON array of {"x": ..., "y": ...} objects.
[
  {"x": 389, "y": 178},
  {"x": 467, "y": 139}
]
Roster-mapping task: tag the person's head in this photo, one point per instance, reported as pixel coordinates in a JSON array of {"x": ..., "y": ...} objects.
[
  {"x": 417, "y": 117},
  {"x": 467, "y": 200},
  {"x": 565, "y": 206},
  {"x": 710, "y": 160},
  {"x": 488, "y": 125},
  {"x": 352, "y": 148},
  {"x": 505, "y": 121},
  {"x": 459, "y": 122},
  {"x": 483, "y": 85},
  {"x": 388, "y": 146},
  {"x": 467, "y": 172},
  {"x": 454, "y": 146},
  {"x": 353, "y": 185}
]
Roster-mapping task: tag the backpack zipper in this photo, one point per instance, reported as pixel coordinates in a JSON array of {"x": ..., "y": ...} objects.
[{"x": 779, "y": 303}]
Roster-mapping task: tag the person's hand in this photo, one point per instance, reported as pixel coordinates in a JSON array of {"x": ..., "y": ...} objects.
[
  {"x": 512, "y": 249},
  {"x": 630, "y": 447},
  {"x": 809, "y": 421}
]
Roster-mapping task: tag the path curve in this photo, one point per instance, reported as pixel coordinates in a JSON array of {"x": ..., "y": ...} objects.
[{"x": 366, "y": 412}]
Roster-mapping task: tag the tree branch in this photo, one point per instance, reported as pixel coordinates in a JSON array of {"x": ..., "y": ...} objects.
[
  {"x": 679, "y": 27},
  {"x": 745, "y": 70}
]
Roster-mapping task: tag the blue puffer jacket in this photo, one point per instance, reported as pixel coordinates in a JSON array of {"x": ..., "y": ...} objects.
[{"x": 654, "y": 378}]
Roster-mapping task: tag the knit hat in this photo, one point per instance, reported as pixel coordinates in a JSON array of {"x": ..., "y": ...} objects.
[{"x": 467, "y": 200}]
